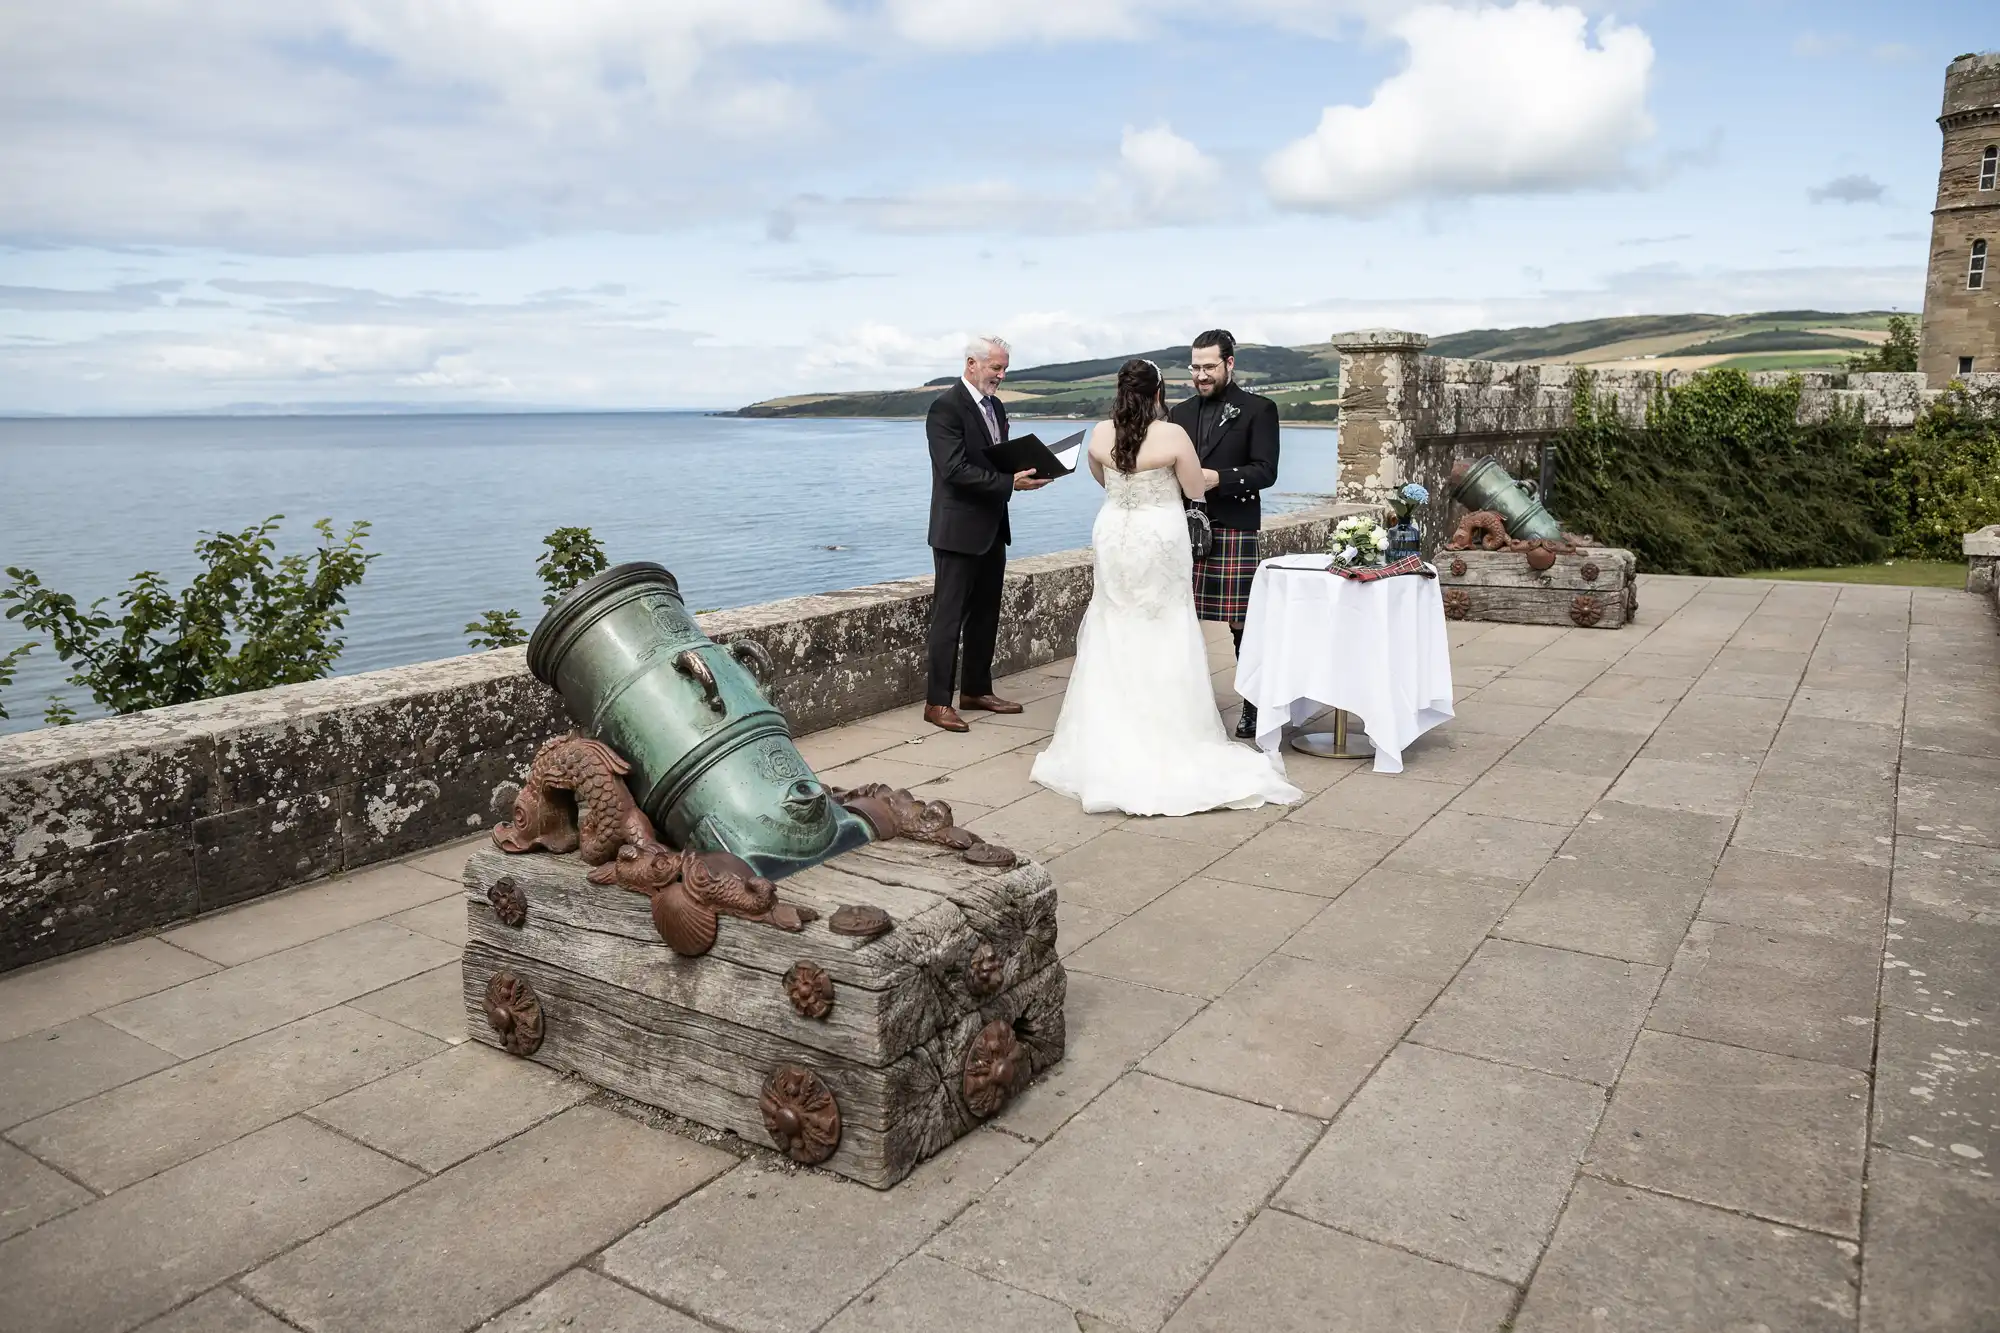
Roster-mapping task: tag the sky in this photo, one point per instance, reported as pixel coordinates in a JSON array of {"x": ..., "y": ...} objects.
[{"x": 636, "y": 204}]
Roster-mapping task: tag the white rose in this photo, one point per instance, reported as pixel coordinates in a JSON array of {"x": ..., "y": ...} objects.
[{"x": 1381, "y": 540}]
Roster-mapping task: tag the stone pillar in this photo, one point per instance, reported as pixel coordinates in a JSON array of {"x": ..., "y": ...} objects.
[
  {"x": 1378, "y": 410},
  {"x": 1982, "y": 561}
]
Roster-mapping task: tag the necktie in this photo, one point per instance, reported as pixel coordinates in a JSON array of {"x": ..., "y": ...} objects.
[{"x": 992, "y": 418}]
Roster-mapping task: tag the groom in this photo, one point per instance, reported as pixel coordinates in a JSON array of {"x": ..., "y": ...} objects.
[
  {"x": 969, "y": 535},
  {"x": 1236, "y": 433}
]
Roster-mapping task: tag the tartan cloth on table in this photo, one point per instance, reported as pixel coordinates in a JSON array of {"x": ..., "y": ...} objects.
[
  {"x": 1222, "y": 580},
  {"x": 1409, "y": 564}
]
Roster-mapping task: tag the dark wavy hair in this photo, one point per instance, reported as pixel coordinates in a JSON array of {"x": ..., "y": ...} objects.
[{"x": 1133, "y": 411}]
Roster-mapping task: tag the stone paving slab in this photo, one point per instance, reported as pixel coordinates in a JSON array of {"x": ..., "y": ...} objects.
[
  {"x": 446, "y": 1108},
  {"x": 431, "y": 1002},
  {"x": 1457, "y": 1159},
  {"x": 772, "y": 1251},
  {"x": 113, "y": 1263},
  {"x": 1293, "y": 1035},
  {"x": 469, "y": 1242},
  {"x": 1602, "y": 907},
  {"x": 1131, "y": 1202},
  {"x": 1784, "y": 992},
  {"x": 60, "y": 1065},
  {"x": 1397, "y": 924},
  {"x": 134, "y": 1131},
  {"x": 1628, "y": 1259},
  {"x": 1288, "y": 1275},
  {"x": 305, "y": 914},
  {"x": 1845, "y": 900},
  {"x": 1572, "y": 1014},
  {"x": 54, "y": 993},
  {"x": 583, "y": 1302},
  {"x": 1198, "y": 938},
  {"x": 199, "y": 1016},
  {"x": 31, "y": 1194},
  {"x": 1780, "y": 796},
  {"x": 1538, "y": 795},
  {"x": 221, "y": 1311},
  {"x": 1744, "y": 1130},
  {"x": 923, "y": 1294},
  {"x": 1113, "y": 1025},
  {"x": 1930, "y": 1242}
]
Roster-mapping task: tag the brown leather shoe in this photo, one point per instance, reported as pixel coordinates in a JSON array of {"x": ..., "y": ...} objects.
[
  {"x": 987, "y": 703},
  {"x": 941, "y": 715}
]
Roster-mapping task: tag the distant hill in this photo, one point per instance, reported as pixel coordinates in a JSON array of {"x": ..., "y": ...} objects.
[{"x": 1305, "y": 381}]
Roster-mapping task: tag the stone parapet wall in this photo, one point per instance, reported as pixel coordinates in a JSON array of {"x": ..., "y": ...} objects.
[
  {"x": 130, "y": 823},
  {"x": 1407, "y": 416},
  {"x": 1982, "y": 562}
]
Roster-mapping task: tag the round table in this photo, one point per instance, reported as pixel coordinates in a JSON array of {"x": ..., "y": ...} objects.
[{"x": 1313, "y": 640}]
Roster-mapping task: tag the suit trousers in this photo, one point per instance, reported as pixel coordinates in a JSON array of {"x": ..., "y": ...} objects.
[{"x": 965, "y": 605}]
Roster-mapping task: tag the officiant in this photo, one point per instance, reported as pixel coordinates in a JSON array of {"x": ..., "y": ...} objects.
[
  {"x": 1236, "y": 433},
  {"x": 969, "y": 534}
]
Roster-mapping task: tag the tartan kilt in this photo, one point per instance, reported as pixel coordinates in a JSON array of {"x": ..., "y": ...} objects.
[{"x": 1222, "y": 579}]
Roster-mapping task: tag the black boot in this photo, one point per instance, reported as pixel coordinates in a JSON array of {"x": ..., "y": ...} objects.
[{"x": 1246, "y": 725}]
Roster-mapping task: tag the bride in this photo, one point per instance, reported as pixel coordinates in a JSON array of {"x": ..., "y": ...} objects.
[{"x": 1139, "y": 730}]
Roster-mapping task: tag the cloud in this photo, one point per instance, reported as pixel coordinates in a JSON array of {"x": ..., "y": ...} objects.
[
  {"x": 1166, "y": 176},
  {"x": 1492, "y": 101},
  {"x": 127, "y": 296},
  {"x": 1855, "y": 189},
  {"x": 987, "y": 23},
  {"x": 322, "y": 125},
  {"x": 1159, "y": 178}
]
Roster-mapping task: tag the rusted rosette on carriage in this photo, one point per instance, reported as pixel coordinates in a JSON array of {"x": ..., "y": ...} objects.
[{"x": 800, "y": 1114}]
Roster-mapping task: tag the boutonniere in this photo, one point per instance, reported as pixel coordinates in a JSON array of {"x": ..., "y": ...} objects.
[{"x": 1230, "y": 412}]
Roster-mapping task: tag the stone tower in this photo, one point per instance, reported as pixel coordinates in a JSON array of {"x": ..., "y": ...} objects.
[{"x": 1962, "y": 293}]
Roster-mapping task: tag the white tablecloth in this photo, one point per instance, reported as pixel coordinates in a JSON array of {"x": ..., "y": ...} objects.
[{"x": 1314, "y": 641}]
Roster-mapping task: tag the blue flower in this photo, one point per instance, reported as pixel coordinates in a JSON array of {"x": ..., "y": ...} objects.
[{"x": 1416, "y": 494}]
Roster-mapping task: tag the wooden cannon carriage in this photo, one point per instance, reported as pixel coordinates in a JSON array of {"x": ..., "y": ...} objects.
[{"x": 862, "y": 1053}]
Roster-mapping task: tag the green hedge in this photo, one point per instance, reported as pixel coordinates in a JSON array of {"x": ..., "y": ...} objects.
[
  {"x": 1721, "y": 480},
  {"x": 1941, "y": 479}
]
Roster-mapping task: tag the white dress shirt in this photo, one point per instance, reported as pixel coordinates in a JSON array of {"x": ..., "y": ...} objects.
[{"x": 992, "y": 419}]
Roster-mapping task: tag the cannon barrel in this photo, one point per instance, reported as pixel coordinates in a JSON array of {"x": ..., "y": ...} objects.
[
  {"x": 1487, "y": 485},
  {"x": 713, "y": 763}
]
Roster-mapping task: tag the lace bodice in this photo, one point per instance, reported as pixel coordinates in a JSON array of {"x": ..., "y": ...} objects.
[{"x": 1153, "y": 488}]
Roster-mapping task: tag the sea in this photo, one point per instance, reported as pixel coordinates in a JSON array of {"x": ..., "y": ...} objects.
[{"x": 741, "y": 510}]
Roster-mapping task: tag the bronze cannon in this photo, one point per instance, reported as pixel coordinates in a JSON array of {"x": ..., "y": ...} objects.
[
  {"x": 712, "y": 762},
  {"x": 1486, "y": 486}
]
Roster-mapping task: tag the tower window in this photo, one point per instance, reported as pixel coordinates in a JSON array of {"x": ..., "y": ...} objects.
[
  {"x": 1975, "y": 273},
  {"x": 1965, "y": 365},
  {"x": 1989, "y": 167}
]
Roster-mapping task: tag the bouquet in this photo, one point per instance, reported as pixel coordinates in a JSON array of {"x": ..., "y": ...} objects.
[
  {"x": 1407, "y": 499},
  {"x": 1359, "y": 540}
]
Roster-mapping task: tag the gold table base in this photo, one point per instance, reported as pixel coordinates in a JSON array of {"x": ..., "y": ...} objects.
[{"x": 1343, "y": 742}]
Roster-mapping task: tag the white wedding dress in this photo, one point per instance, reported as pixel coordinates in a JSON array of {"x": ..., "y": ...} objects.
[{"x": 1139, "y": 730}]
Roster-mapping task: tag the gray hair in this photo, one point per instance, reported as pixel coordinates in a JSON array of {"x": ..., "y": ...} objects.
[{"x": 985, "y": 346}]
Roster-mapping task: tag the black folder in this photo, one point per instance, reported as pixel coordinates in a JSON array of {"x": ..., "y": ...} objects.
[{"x": 1025, "y": 453}]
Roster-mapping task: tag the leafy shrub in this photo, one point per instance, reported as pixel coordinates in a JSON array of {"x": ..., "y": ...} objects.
[
  {"x": 574, "y": 555},
  {"x": 1720, "y": 480},
  {"x": 246, "y": 622},
  {"x": 8, "y": 660},
  {"x": 1941, "y": 479},
  {"x": 1899, "y": 353}
]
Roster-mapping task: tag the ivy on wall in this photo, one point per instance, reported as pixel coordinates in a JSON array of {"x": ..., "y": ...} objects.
[
  {"x": 1721, "y": 479},
  {"x": 1941, "y": 479}
]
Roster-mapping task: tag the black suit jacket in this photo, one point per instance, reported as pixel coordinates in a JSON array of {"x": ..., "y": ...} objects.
[
  {"x": 968, "y": 495},
  {"x": 1244, "y": 451}
]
